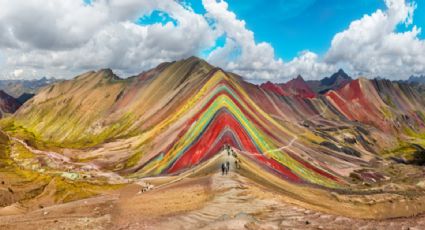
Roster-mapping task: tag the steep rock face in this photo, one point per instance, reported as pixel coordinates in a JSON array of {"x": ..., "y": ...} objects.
[{"x": 8, "y": 104}]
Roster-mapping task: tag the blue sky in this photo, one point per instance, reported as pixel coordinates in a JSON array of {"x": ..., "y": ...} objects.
[{"x": 292, "y": 26}]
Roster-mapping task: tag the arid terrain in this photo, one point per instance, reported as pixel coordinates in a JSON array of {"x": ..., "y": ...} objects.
[
  {"x": 146, "y": 152},
  {"x": 205, "y": 199}
]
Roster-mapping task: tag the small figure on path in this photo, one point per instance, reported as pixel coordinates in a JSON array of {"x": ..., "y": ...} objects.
[
  {"x": 227, "y": 167},
  {"x": 223, "y": 168}
]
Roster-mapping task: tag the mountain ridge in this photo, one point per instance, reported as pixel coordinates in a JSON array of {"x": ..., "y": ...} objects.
[
  {"x": 8, "y": 104},
  {"x": 163, "y": 113},
  {"x": 180, "y": 121},
  {"x": 416, "y": 79},
  {"x": 294, "y": 87}
]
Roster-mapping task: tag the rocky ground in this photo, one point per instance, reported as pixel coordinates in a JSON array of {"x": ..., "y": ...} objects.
[{"x": 214, "y": 201}]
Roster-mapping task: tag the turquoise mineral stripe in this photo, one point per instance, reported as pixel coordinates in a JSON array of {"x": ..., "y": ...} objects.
[{"x": 207, "y": 117}]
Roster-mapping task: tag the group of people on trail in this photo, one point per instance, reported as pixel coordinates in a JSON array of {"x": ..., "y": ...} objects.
[
  {"x": 225, "y": 167},
  {"x": 146, "y": 187}
]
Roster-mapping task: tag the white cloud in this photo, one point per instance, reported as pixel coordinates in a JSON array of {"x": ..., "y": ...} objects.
[
  {"x": 308, "y": 65},
  {"x": 18, "y": 72},
  {"x": 64, "y": 38},
  {"x": 70, "y": 37},
  {"x": 252, "y": 60},
  {"x": 372, "y": 46},
  {"x": 49, "y": 24}
]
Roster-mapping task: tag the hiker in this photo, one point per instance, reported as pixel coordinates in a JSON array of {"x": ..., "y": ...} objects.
[
  {"x": 223, "y": 168},
  {"x": 227, "y": 167},
  {"x": 236, "y": 164}
]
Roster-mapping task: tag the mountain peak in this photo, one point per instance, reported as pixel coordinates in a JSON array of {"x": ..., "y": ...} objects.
[
  {"x": 106, "y": 70},
  {"x": 336, "y": 78},
  {"x": 299, "y": 78},
  {"x": 194, "y": 61},
  {"x": 341, "y": 74},
  {"x": 194, "y": 58},
  {"x": 270, "y": 86},
  {"x": 101, "y": 74},
  {"x": 298, "y": 86},
  {"x": 107, "y": 74},
  {"x": 416, "y": 79}
]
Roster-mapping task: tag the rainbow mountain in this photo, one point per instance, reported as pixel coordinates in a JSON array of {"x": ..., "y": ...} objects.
[{"x": 169, "y": 120}]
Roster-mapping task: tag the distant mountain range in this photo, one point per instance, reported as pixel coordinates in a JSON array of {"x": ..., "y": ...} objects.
[
  {"x": 338, "y": 139},
  {"x": 416, "y": 82},
  {"x": 180, "y": 114},
  {"x": 416, "y": 79},
  {"x": 14, "y": 93},
  {"x": 311, "y": 88},
  {"x": 23, "y": 90},
  {"x": 296, "y": 86},
  {"x": 337, "y": 80},
  {"x": 16, "y": 88}
]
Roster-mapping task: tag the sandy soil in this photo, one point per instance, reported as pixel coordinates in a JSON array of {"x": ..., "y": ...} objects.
[
  {"x": 202, "y": 198},
  {"x": 210, "y": 202}
]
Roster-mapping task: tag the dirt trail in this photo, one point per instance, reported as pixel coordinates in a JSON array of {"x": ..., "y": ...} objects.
[
  {"x": 236, "y": 203},
  {"x": 239, "y": 203},
  {"x": 230, "y": 201},
  {"x": 200, "y": 199}
]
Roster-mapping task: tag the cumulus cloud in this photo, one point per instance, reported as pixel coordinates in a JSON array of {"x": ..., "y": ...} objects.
[
  {"x": 372, "y": 47},
  {"x": 252, "y": 60},
  {"x": 49, "y": 24},
  {"x": 64, "y": 38},
  {"x": 70, "y": 36},
  {"x": 18, "y": 72}
]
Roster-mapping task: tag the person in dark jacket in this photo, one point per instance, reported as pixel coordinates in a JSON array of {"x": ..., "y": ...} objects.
[
  {"x": 223, "y": 168},
  {"x": 227, "y": 167}
]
